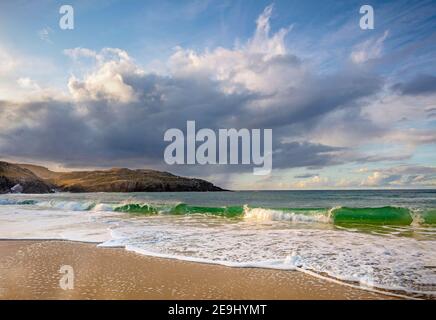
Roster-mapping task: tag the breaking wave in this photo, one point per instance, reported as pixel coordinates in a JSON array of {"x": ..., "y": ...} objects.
[{"x": 388, "y": 215}]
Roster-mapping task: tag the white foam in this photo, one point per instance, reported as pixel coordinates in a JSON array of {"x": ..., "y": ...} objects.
[
  {"x": 22, "y": 223},
  {"x": 386, "y": 262},
  {"x": 265, "y": 215},
  {"x": 67, "y": 205},
  {"x": 102, "y": 207}
]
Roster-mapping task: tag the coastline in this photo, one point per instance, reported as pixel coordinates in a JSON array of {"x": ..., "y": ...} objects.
[{"x": 30, "y": 270}]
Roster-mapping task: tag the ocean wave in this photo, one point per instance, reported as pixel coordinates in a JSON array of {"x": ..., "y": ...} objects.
[
  {"x": 302, "y": 215},
  {"x": 387, "y": 215},
  {"x": 67, "y": 205},
  {"x": 137, "y": 208},
  {"x": 8, "y": 202},
  {"x": 182, "y": 231},
  {"x": 346, "y": 216},
  {"x": 363, "y": 260}
]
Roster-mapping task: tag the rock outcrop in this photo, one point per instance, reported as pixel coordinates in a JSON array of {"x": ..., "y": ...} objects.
[
  {"x": 126, "y": 180},
  {"x": 14, "y": 178},
  {"x": 37, "y": 179}
]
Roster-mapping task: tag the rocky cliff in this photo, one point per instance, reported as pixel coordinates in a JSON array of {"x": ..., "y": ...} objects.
[
  {"x": 37, "y": 179},
  {"x": 126, "y": 180},
  {"x": 18, "y": 179}
]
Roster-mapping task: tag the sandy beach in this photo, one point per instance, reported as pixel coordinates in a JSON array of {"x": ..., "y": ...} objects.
[{"x": 30, "y": 270}]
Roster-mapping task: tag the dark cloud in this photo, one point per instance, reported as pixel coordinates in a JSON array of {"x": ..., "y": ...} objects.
[
  {"x": 116, "y": 115},
  {"x": 379, "y": 158},
  {"x": 96, "y": 130},
  {"x": 420, "y": 85}
]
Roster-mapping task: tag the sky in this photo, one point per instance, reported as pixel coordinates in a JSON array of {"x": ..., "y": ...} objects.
[{"x": 349, "y": 108}]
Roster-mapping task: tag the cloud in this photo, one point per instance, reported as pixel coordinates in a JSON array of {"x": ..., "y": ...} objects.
[
  {"x": 106, "y": 81},
  {"x": 8, "y": 62},
  {"x": 313, "y": 182},
  {"x": 402, "y": 176},
  {"x": 261, "y": 65},
  {"x": 391, "y": 177},
  {"x": 115, "y": 113},
  {"x": 369, "y": 49},
  {"x": 420, "y": 85},
  {"x": 27, "y": 83},
  {"x": 379, "y": 178}
]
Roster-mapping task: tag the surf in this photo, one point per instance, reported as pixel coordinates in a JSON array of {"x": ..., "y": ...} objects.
[
  {"x": 340, "y": 215},
  {"x": 348, "y": 236}
]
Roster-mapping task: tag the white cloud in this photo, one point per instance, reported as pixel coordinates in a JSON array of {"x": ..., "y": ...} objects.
[
  {"x": 18, "y": 73},
  {"x": 369, "y": 49},
  {"x": 261, "y": 65},
  {"x": 106, "y": 81},
  {"x": 401, "y": 176},
  {"x": 377, "y": 178},
  {"x": 387, "y": 118},
  {"x": 391, "y": 107},
  {"x": 313, "y": 182},
  {"x": 8, "y": 62},
  {"x": 27, "y": 83}
]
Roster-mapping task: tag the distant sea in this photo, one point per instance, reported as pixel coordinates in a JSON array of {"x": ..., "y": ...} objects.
[{"x": 375, "y": 239}]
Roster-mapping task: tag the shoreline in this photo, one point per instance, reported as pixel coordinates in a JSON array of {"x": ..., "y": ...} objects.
[{"x": 30, "y": 270}]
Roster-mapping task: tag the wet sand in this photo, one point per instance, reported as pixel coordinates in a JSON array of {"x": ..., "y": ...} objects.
[{"x": 31, "y": 270}]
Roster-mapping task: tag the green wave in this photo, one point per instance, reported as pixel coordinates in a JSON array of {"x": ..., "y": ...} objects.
[
  {"x": 27, "y": 202},
  {"x": 137, "y": 208},
  {"x": 387, "y": 215},
  {"x": 180, "y": 209},
  {"x": 17, "y": 202},
  {"x": 428, "y": 216},
  {"x": 383, "y": 216},
  {"x": 183, "y": 208},
  {"x": 342, "y": 215}
]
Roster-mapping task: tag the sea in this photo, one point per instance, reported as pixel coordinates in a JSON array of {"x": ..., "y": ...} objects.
[{"x": 379, "y": 240}]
